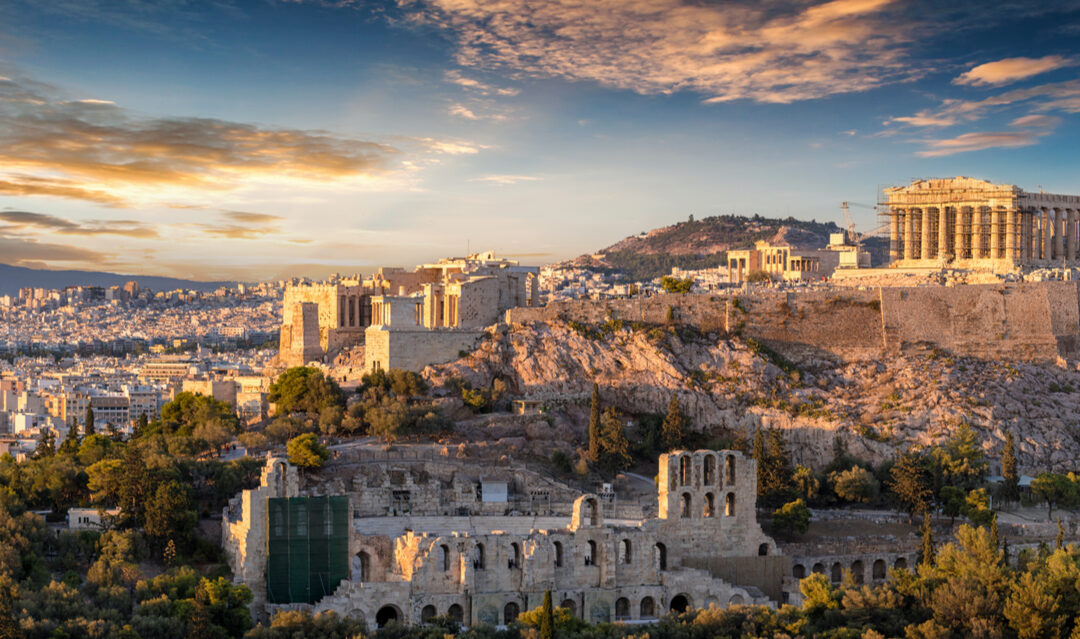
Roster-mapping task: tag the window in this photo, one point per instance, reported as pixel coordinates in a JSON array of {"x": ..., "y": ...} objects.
[
  {"x": 709, "y": 474},
  {"x": 515, "y": 556},
  {"x": 710, "y": 506},
  {"x": 444, "y": 558},
  {"x": 558, "y": 554},
  {"x": 478, "y": 561},
  {"x": 590, "y": 558},
  {"x": 626, "y": 551},
  {"x": 660, "y": 556},
  {"x": 729, "y": 505},
  {"x": 365, "y": 565},
  {"x": 686, "y": 502},
  {"x": 684, "y": 471},
  {"x": 729, "y": 470}
]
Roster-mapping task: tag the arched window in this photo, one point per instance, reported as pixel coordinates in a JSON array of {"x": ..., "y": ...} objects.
[
  {"x": 729, "y": 505},
  {"x": 837, "y": 573},
  {"x": 558, "y": 554},
  {"x": 709, "y": 473},
  {"x": 455, "y": 613},
  {"x": 684, "y": 471},
  {"x": 365, "y": 565},
  {"x": 427, "y": 614},
  {"x": 857, "y": 570},
  {"x": 729, "y": 470},
  {"x": 819, "y": 568},
  {"x": 879, "y": 569},
  {"x": 763, "y": 550},
  {"x": 680, "y": 603},
  {"x": 592, "y": 512},
  {"x": 686, "y": 504},
  {"x": 900, "y": 563},
  {"x": 444, "y": 558},
  {"x": 660, "y": 556},
  {"x": 627, "y": 555},
  {"x": 569, "y": 605},
  {"x": 622, "y": 609},
  {"x": 478, "y": 562},
  {"x": 647, "y": 608},
  {"x": 510, "y": 613},
  {"x": 387, "y": 615},
  {"x": 515, "y": 556},
  {"x": 710, "y": 505},
  {"x": 590, "y": 557},
  {"x": 798, "y": 571}
]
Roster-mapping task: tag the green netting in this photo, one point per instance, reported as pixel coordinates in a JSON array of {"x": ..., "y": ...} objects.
[{"x": 307, "y": 548}]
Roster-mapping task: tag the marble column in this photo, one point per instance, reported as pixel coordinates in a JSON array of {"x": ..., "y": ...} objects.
[
  {"x": 995, "y": 233},
  {"x": 894, "y": 236},
  {"x": 1070, "y": 234},
  {"x": 976, "y": 232},
  {"x": 943, "y": 232},
  {"x": 958, "y": 232},
  {"x": 1059, "y": 234},
  {"x": 1010, "y": 235},
  {"x": 924, "y": 239},
  {"x": 909, "y": 235},
  {"x": 1048, "y": 240}
]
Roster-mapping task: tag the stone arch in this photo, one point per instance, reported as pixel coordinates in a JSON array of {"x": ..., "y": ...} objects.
[
  {"x": 798, "y": 571},
  {"x": 857, "y": 570},
  {"x": 763, "y": 550},
  {"x": 444, "y": 558},
  {"x": 363, "y": 566},
  {"x": 710, "y": 505},
  {"x": 837, "y": 573},
  {"x": 515, "y": 556},
  {"x": 901, "y": 562},
  {"x": 660, "y": 556},
  {"x": 878, "y": 570},
  {"x": 622, "y": 608},
  {"x": 818, "y": 568},
  {"x": 729, "y": 505},
  {"x": 357, "y": 613},
  {"x": 510, "y": 613},
  {"x": 590, "y": 555},
  {"x": 708, "y": 473},
  {"x": 592, "y": 511},
  {"x": 729, "y": 470},
  {"x": 687, "y": 504},
  {"x": 647, "y": 608},
  {"x": 387, "y": 614},
  {"x": 455, "y": 613},
  {"x": 627, "y": 552},
  {"x": 570, "y": 605},
  {"x": 558, "y": 554},
  {"x": 428, "y": 613},
  {"x": 684, "y": 470},
  {"x": 736, "y": 600},
  {"x": 680, "y": 603}
]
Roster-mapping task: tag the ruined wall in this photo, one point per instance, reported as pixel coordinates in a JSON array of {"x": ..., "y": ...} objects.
[
  {"x": 414, "y": 349},
  {"x": 1034, "y": 321}
]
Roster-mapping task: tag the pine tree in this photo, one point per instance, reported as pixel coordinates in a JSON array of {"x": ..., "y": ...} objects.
[
  {"x": 88, "y": 422},
  {"x": 995, "y": 537},
  {"x": 1061, "y": 534},
  {"x": 134, "y": 489},
  {"x": 761, "y": 459},
  {"x": 594, "y": 425},
  {"x": 1008, "y": 467},
  {"x": 141, "y": 428},
  {"x": 614, "y": 447},
  {"x": 46, "y": 444},
  {"x": 911, "y": 484},
  {"x": 671, "y": 431},
  {"x": 70, "y": 444},
  {"x": 926, "y": 555},
  {"x": 547, "y": 618}
]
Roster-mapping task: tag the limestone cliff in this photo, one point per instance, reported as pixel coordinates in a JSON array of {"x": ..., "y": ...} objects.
[{"x": 727, "y": 383}]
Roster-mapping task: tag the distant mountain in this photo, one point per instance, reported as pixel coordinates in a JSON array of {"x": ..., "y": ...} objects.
[
  {"x": 12, "y": 278},
  {"x": 704, "y": 243}
]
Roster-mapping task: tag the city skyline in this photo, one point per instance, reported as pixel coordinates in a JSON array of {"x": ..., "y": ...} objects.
[{"x": 249, "y": 140}]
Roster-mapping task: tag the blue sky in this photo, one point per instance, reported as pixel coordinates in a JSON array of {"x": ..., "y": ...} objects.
[{"x": 229, "y": 139}]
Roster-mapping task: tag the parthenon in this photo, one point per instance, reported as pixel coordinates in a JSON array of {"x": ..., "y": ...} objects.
[{"x": 970, "y": 223}]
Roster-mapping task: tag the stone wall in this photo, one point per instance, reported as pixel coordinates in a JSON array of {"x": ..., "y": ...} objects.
[
  {"x": 1034, "y": 321},
  {"x": 414, "y": 349}
]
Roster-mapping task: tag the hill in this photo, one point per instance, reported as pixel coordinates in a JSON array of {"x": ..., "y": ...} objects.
[
  {"x": 12, "y": 278},
  {"x": 704, "y": 243}
]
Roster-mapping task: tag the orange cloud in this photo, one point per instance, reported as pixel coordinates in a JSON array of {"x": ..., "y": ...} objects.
[
  {"x": 1011, "y": 70},
  {"x": 18, "y": 220},
  {"x": 758, "y": 51},
  {"x": 978, "y": 142}
]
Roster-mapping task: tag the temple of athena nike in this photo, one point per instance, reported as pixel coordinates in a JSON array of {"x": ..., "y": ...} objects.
[{"x": 967, "y": 223}]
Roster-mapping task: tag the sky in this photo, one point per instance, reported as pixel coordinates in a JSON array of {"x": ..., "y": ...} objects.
[{"x": 230, "y": 139}]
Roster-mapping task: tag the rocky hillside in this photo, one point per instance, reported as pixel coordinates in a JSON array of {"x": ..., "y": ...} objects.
[
  {"x": 733, "y": 386},
  {"x": 703, "y": 243}
]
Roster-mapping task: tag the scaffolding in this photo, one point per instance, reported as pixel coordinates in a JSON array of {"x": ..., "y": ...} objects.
[{"x": 307, "y": 552}]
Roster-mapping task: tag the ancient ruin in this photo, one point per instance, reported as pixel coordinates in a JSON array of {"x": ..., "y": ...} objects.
[
  {"x": 410, "y": 316},
  {"x": 414, "y": 540},
  {"x": 970, "y": 223}
]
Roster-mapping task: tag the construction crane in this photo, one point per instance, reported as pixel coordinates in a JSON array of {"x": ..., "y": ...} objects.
[{"x": 852, "y": 236}]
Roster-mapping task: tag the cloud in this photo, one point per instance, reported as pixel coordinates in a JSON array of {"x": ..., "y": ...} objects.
[
  {"x": 19, "y": 220},
  {"x": 450, "y": 147},
  {"x": 94, "y": 150},
  {"x": 472, "y": 84},
  {"x": 1011, "y": 70},
  {"x": 1056, "y": 96},
  {"x": 462, "y": 111},
  {"x": 767, "y": 52},
  {"x": 21, "y": 251},
  {"x": 1036, "y": 121},
  {"x": 505, "y": 179},
  {"x": 978, "y": 142},
  {"x": 243, "y": 225},
  {"x": 922, "y": 120}
]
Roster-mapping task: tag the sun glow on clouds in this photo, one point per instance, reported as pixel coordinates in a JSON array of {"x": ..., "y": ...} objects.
[{"x": 1011, "y": 70}]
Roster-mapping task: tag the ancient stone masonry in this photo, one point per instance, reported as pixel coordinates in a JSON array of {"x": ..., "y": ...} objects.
[
  {"x": 452, "y": 294},
  {"x": 969, "y": 223},
  {"x": 487, "y": 568}
]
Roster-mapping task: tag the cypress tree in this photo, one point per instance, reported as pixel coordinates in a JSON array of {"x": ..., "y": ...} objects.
[
  {"x": 761, "y": 458},
  {"x": 1061, "y": 534},
  {"x": 994, "y": 533},
  {"x": 547, "y": 618},
  {"x": 614, "y": 447},
  {"x": 594, "y": 425},
  {"x": 926, "y": 555},
  {"x": 671, "y": 431},
  {"x": 1008, "y": 467},
  {"x": 88, "y": 423}
]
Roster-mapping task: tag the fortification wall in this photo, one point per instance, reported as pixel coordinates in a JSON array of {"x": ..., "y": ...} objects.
[
  {"x": 414, "y": 349},
  {"x": 1033, "y": 321}
]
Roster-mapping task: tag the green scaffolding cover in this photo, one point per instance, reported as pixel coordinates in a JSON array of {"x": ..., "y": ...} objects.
[{"x": 307, "y": 548}]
